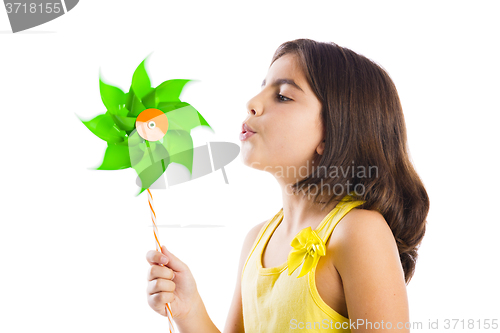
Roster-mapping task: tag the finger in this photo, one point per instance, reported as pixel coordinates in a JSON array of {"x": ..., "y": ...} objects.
[
  {"x": 159, "y": 285},
  {"x": 161, "y": 272},
  {"x": 173, "y": 262},
  {"x": 158, "y": 301},
  {"x": 156, "y": 258}
]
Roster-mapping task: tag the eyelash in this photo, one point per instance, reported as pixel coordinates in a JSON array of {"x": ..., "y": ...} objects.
[{"x": 280, "y": 100}]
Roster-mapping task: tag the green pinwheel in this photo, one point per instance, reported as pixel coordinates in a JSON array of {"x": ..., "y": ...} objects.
[{"x": 147, "y": 128}]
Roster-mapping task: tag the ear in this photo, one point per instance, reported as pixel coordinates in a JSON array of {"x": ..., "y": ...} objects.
[{"x": 321, "y": 148}]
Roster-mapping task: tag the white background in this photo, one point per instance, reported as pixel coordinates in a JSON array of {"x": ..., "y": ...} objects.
[{"x": 73, "y": 241}]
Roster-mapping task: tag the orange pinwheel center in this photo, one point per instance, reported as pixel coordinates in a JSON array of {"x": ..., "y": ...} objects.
[{"x": 152, "y": 124}]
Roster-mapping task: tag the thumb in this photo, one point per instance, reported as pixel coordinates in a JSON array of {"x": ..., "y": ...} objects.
[{"x": 173, "y": 262}]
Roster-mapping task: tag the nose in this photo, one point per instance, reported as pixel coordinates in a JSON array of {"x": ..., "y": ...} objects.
[{"x": 254, "y": 107}]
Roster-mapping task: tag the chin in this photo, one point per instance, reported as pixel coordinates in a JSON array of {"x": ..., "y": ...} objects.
[{"x": 249, "y": 160}]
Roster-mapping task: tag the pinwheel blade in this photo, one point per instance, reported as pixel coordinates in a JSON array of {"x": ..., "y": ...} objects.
[{"x": 150, "y": 159}]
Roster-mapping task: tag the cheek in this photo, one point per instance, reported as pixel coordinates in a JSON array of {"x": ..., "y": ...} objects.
[
  {"x": 301, "y": 133},
  {"x": 294, "y": 142}
]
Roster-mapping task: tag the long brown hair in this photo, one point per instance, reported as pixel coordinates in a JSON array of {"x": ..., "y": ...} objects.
[{"x": 364, "y": 129}]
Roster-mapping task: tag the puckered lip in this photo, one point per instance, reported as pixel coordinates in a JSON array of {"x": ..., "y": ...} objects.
[{"x": 246, "y": 128}]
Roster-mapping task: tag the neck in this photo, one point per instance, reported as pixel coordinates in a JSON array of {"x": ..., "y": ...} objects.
[{"x": 300, "y": 212}]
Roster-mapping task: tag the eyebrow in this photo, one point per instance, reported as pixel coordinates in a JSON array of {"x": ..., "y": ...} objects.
[{"x": 279, "y": 82}]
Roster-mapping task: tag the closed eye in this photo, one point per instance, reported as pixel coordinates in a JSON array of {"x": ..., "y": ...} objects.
[{"x": 279, "y": 96}]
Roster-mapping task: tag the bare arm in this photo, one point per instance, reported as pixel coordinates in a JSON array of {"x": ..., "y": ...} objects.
[
  {"x": 197, "y": 321},
  {"x": 366, "y": 257},
  {"x": 234, "y": 321}
]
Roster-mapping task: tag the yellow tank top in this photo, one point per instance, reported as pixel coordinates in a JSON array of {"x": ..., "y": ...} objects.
[{"x": 273, "y": 300}]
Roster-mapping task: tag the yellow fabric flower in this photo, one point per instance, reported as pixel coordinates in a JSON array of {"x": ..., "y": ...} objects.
[{"x": 307, "y": 248}]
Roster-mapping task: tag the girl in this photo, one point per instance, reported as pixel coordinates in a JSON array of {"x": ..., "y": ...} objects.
[{"x": 336, "y": 114}]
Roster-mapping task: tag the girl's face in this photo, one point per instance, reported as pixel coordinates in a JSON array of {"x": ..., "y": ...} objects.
[{"x": 285, "y": 117}]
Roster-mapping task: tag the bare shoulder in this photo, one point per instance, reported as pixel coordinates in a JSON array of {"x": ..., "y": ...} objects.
[
  {"x": 251, "y": 237},
  {"x": 366, "y": 257},
  {"x": 250, "y": 240},
  {"x": 358, "y": 217},
  {"x": 362, "y": 234},
  {"x": 360, "y": 226},
  {"x": 252, "y": 234}
]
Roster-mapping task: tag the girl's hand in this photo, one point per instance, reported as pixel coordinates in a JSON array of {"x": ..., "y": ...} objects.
[{"x": 171, "y": 283}]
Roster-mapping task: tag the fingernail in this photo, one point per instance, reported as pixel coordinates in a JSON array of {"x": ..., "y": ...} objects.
[{"x": 163, "y": 260}]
